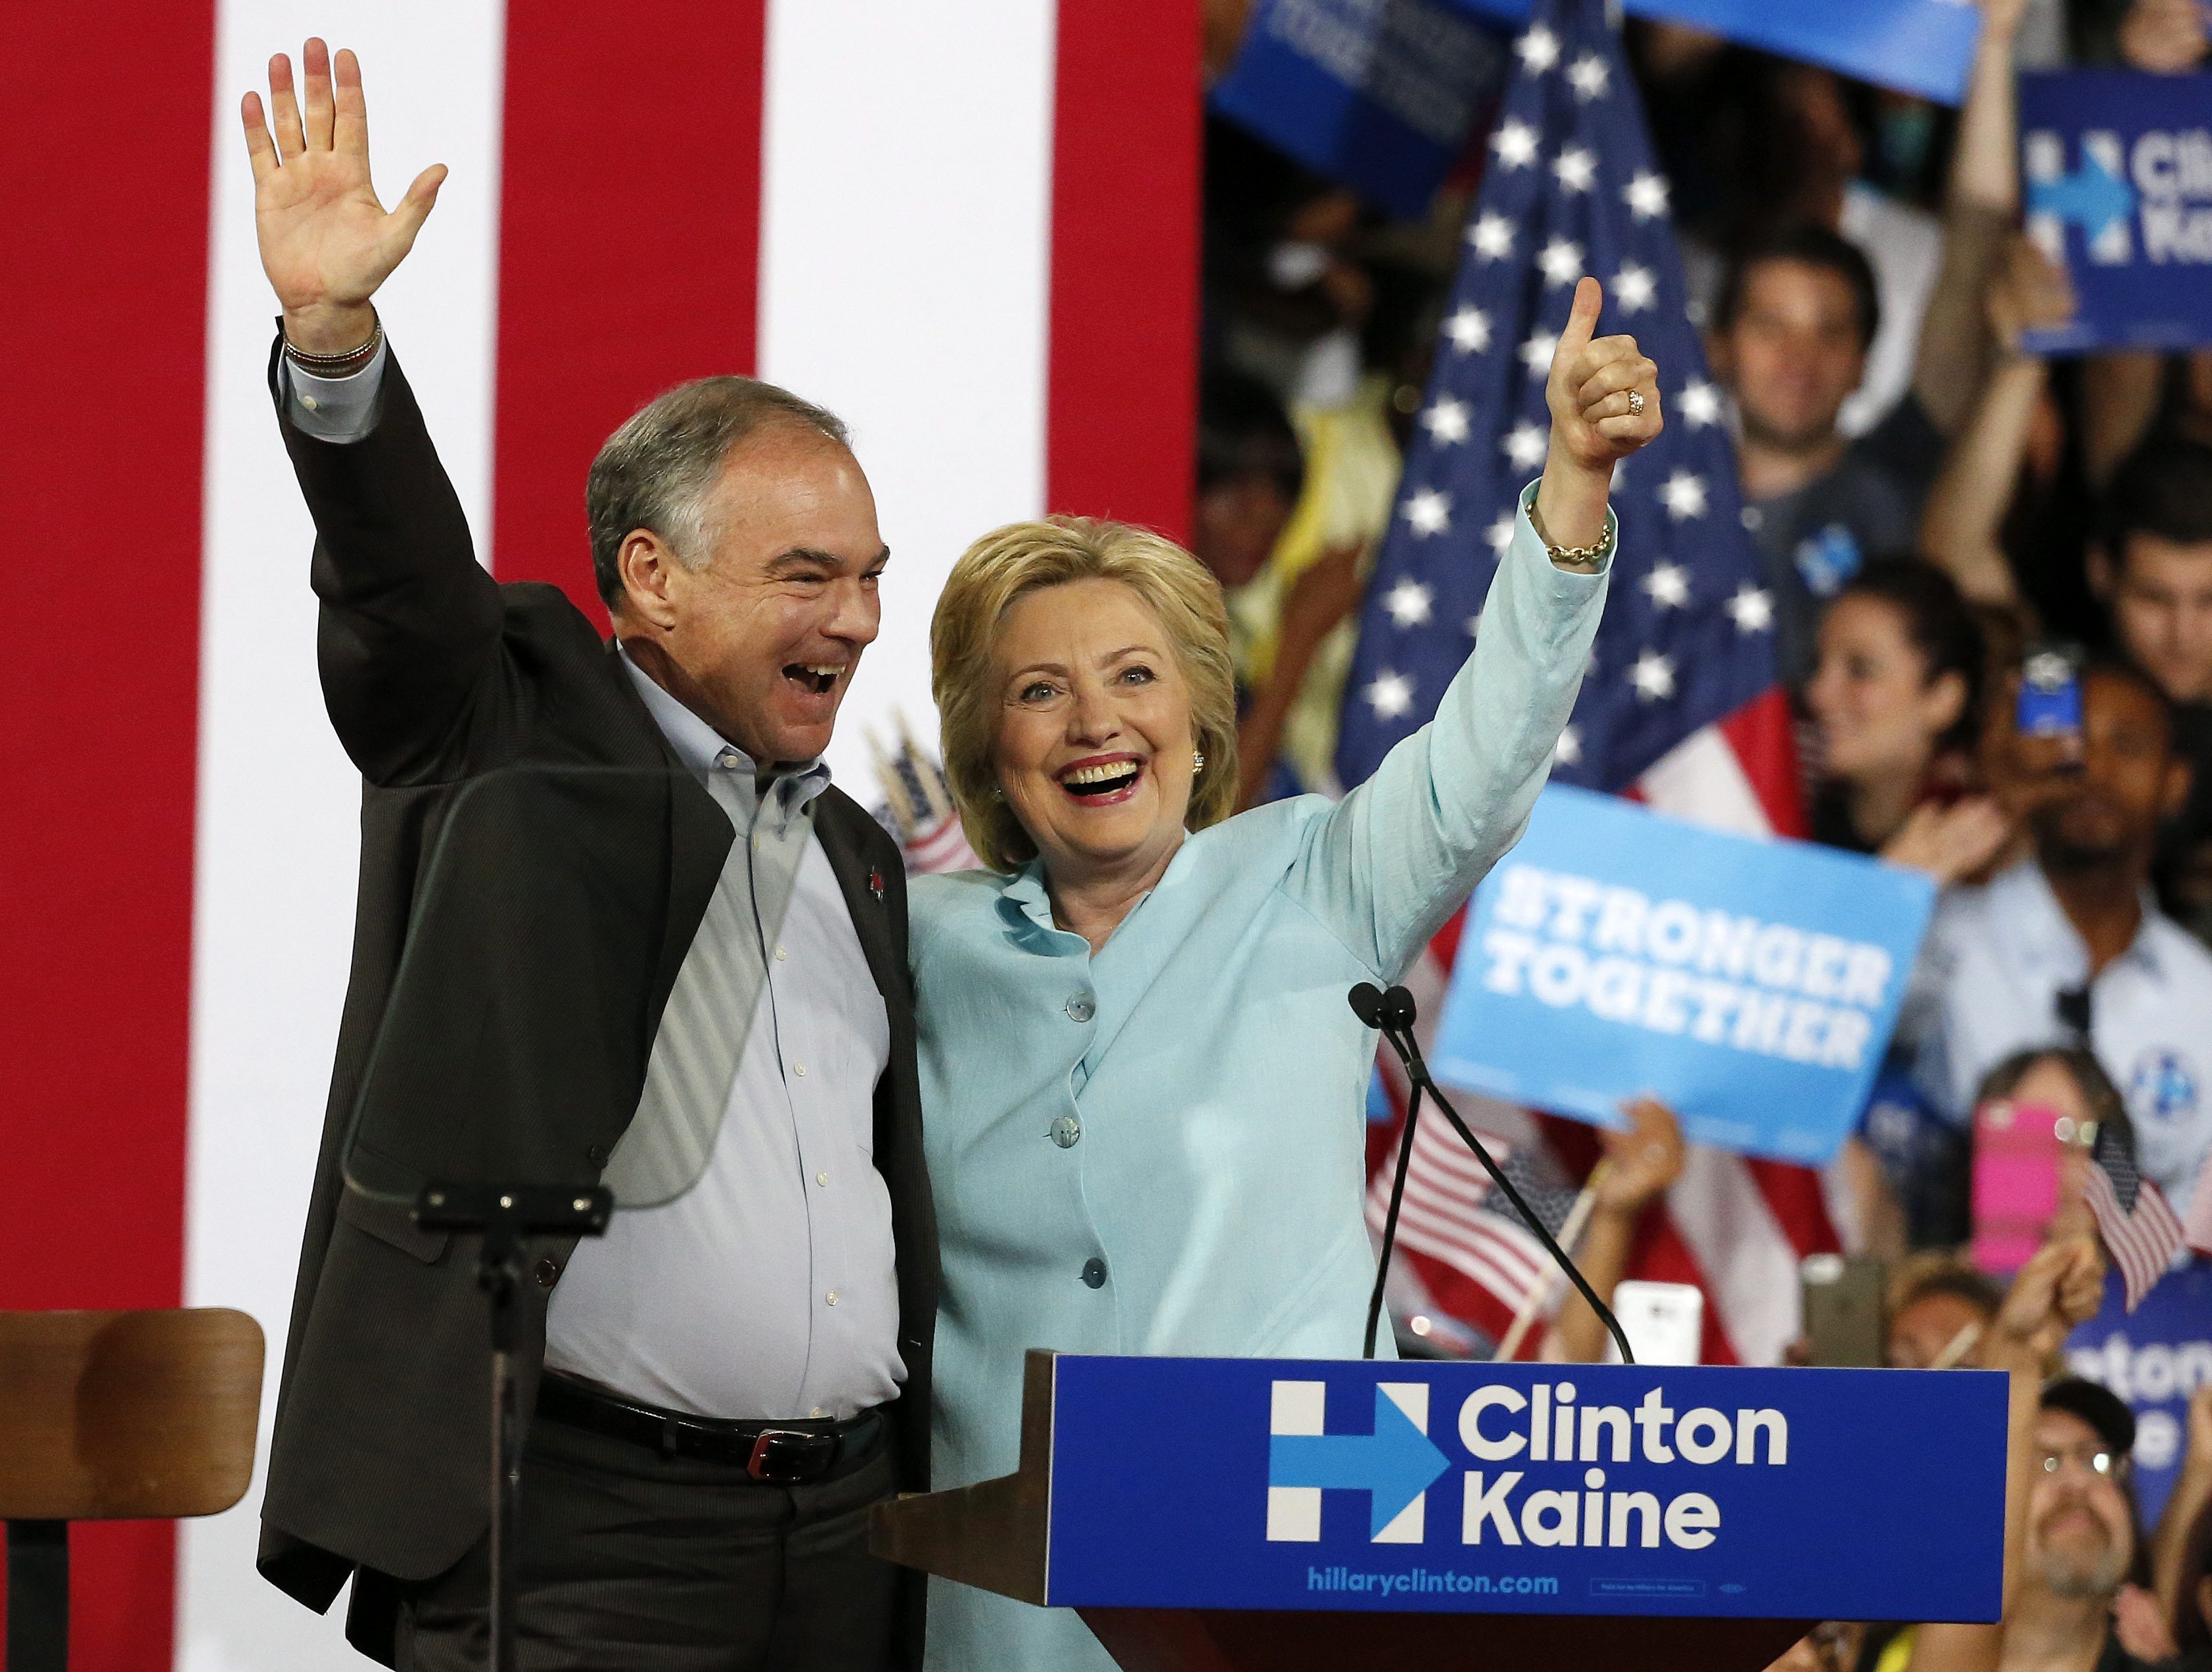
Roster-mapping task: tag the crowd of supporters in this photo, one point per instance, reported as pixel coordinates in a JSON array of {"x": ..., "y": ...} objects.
[{"x": 1943, "y": 517}]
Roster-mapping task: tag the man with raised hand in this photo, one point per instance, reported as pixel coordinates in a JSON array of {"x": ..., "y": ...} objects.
[{"x": 687, "y": 979}]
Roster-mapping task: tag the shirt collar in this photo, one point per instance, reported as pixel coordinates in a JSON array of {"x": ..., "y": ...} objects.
[
  {"x": 1024, "y": 890},
  {"x": 704, "y": 750},
  {"x": 2042, "y": 929}
]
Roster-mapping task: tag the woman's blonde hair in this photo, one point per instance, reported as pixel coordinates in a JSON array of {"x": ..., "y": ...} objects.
[{"x": 963, "y": 635}]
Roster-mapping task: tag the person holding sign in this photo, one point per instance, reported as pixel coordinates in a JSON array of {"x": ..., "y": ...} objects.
[
  {"x": 1142, "y": 1085},
  {"x": 2065, "y": 1517}
]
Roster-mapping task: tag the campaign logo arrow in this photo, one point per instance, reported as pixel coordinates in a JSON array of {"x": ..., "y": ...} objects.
[
  {"x": 1394, "y": 1465},
  {"x": 2092, "y": 197}
]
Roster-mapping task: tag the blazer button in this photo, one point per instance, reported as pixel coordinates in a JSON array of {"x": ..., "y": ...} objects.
[
  {"x": 546, "y": 1273},
  {"x": 1094, "y": 1273},
  {"x": 1079, "y": 1008},
  {"x": 1066, "y": 1131},
  {"x": 596, "y": 1155}
]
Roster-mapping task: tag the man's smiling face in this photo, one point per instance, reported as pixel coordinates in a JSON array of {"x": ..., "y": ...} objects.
[{"x": 765, "y": 635}]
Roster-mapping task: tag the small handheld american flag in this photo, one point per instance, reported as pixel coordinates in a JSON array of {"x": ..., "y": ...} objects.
[
  {"x": 919, "y": 808},
  {"x": 2138, "y": 1226}
]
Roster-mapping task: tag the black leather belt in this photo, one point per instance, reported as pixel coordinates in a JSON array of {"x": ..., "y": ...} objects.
[{"x": 778, "y": 1453}]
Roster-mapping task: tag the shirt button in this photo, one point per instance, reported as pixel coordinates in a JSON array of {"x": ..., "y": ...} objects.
[
  {"x": 1079, "y": 1008},
  {"x": 799, "y": 1068},
  {"x": 779, "y": 955},
  {"x": 311, "y": 403},
  {"x": 596, "y": 1155},
  {"x": 1094, "y": 1273},
  {"x": 756, "y": 842},
  {"x": 831, "y": 1296},
  {"x": 816, "y": 1411},
  {"x": 547, "y": 1273},
  {"x": 1066, "y": 1131},
  {"x": 822, "y": 1179},
  {"x": 727, "y": 762}
]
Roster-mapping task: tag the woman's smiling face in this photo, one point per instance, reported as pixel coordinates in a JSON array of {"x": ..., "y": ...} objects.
[
  {"x": 1878, "y": 711},
  {"x": 1093, "y": 746}
]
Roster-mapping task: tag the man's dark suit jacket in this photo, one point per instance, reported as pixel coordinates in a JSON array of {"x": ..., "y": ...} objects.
[{"x": 525, "y": 904}]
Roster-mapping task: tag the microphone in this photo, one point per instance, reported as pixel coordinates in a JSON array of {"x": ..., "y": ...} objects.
[
  {"x": 1395, "y": 1011},
  {"x": 1366, "y": 1000},
  {"x": 1398, "y": 1010}
]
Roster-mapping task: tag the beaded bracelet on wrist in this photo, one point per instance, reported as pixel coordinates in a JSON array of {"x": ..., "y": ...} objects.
[{"x": 336, "y": 365}]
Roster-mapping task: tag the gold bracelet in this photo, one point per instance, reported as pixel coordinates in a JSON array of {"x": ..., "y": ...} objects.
[{"x": 1592, "y": 554}]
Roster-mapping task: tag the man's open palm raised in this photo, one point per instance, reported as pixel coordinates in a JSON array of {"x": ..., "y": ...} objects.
[{"x": 326, "y": 242}]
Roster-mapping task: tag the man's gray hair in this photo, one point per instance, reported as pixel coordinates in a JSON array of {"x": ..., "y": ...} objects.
[{"x": 657, "y": 471}]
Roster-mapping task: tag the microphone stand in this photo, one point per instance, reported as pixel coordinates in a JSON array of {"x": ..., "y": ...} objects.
[
  {"x": 1394, "y": 1014},
  {"x": 502, "y": 1215},
  {"x": 1390, "y": 1219}
]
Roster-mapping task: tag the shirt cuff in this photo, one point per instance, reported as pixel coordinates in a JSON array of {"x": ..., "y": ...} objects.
[{"x": 333, "y": 409}]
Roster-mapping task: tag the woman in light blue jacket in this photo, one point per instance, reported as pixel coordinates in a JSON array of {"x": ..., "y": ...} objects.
[{"x": 1142, "y": 1088}]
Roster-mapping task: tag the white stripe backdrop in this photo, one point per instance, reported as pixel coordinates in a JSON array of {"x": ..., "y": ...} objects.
[
  {"x": 905, "y": 278},
  {"x": 278, "y": 802}
]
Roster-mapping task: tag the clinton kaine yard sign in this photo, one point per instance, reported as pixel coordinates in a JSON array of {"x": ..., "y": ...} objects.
[{"x": 1752, "y": 985}]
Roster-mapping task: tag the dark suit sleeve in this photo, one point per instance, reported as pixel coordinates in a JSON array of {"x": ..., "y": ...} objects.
[{"x": 409, "y": 641}]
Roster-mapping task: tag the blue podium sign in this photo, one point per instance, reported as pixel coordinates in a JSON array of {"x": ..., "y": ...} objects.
[
  {"x": 1751, "y": 985},
  {"x": 1476, "y": 1488}
]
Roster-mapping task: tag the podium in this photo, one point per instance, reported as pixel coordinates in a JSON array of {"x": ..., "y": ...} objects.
[{"x": 1208, "y": 1514}]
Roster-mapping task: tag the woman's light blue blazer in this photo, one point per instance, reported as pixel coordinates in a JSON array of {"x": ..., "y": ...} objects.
[{"x": 1161, "y": 1148}]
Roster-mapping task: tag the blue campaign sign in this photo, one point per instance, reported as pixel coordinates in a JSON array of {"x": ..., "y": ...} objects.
[
  {"x": 2118, "y": 169},
  {"x": 2153, "y": 1358},
  {"x": 1380, "y": 96},
  {"x": 1479, "y": 1489},
  {"x": 1750, "y": 985},
  {"x": 1921, "y": 46}
]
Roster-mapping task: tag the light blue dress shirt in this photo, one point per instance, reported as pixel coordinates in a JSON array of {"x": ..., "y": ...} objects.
[
  {"x": 1160, "y": 1148},
  {"x": 768, "y": 1288}
]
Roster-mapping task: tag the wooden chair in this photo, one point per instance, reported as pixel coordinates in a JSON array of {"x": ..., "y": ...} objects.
[{"x": 110, "y": 1416}]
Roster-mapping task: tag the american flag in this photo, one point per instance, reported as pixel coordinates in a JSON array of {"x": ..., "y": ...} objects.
[
  {"x": 918, "y": 808},
  {"x": 1481, "y": 1260},
  {"x": 2132, "y": 1214},
  {"x": 1680, "y": 705}
]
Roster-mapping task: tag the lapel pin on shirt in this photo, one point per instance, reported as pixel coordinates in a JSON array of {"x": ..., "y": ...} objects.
[{"x": 876, "y": 883}]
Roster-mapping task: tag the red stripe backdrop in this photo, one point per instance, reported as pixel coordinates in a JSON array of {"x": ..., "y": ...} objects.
[
  {"x": 109, "y": 218},
  {"x": 630, "y": 237},
  {"x": 1121, "y": 404}
]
